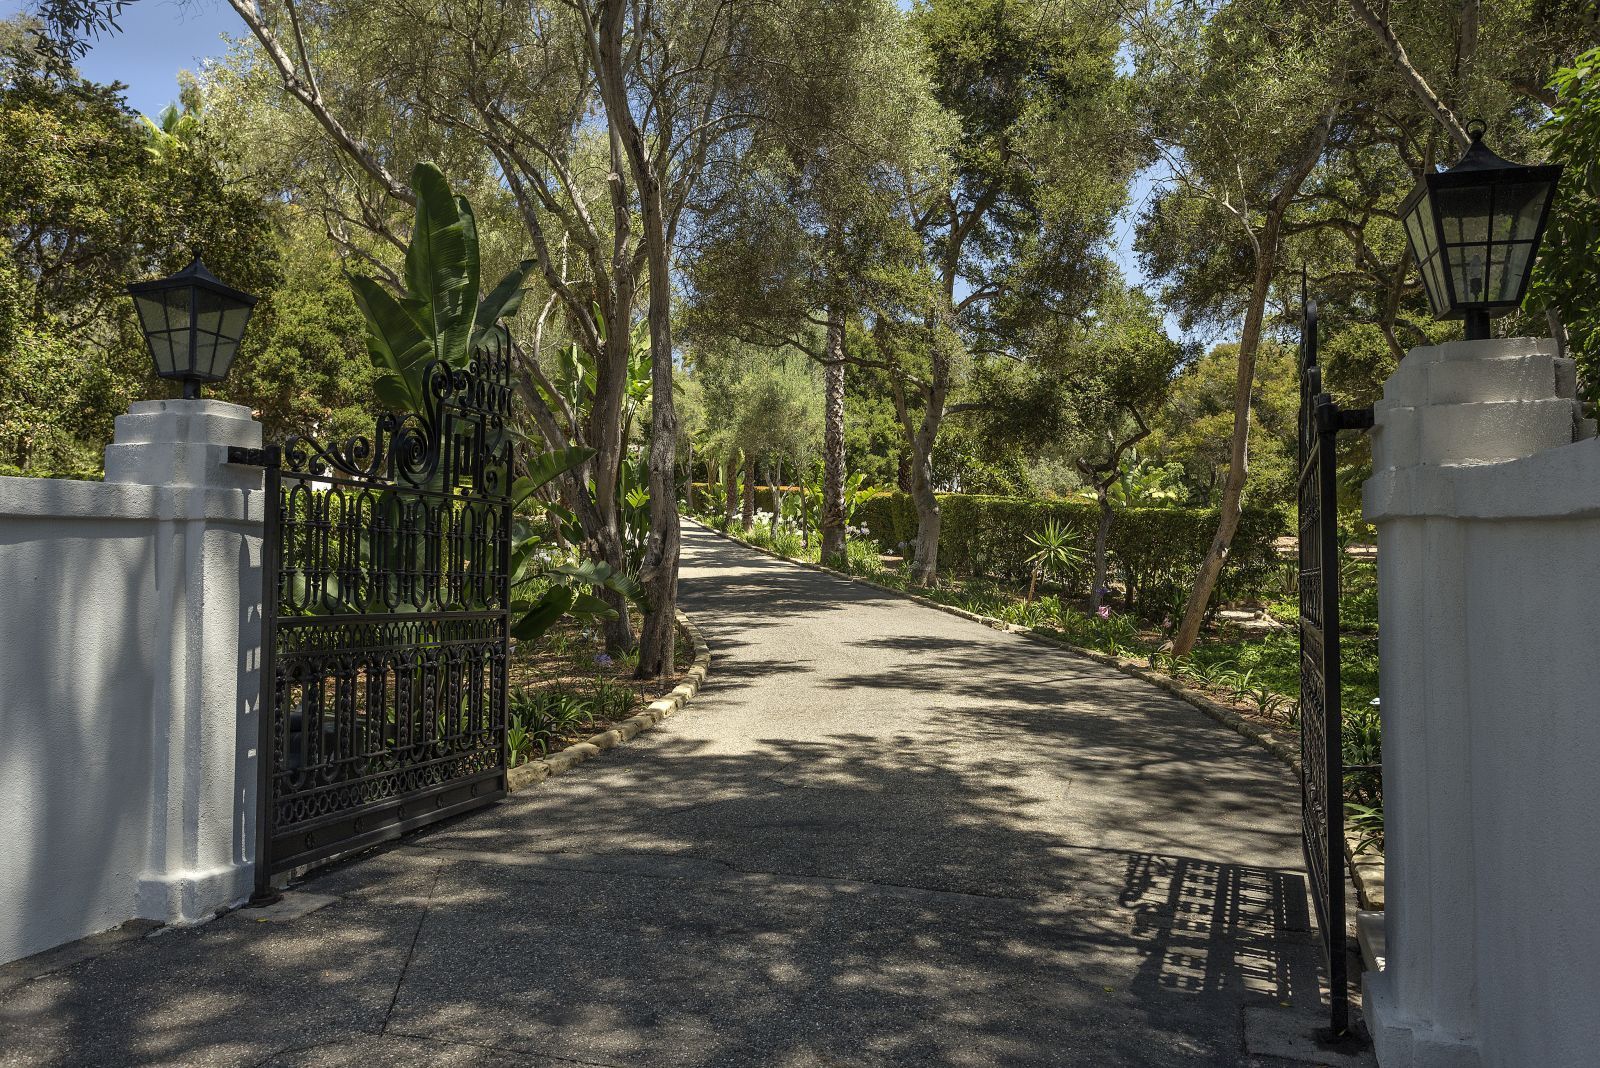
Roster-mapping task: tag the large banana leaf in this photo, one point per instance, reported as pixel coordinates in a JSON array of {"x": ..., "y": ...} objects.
[
  {"x": 547, "y": 467},
  {"x": 441, "y": 269},
  {"x": 543, "y": 614},
  {"x": 502, "y": 302},
  {"x": 398, "y": 347}
]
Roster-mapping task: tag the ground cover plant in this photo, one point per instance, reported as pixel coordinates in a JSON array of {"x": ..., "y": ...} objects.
[{"x": 565, "y": 687}]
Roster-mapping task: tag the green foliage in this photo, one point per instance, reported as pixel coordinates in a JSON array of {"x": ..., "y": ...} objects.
[
  {"x": 541, "y": 717},
  {"x": 1570, "y": 262},
  {"x": 438, "y": 317},
  {"x": 85, "y": 208},
  {"x": 1192, "y": 428},
  {"x": 1058, "y": 552},
  {"x": 1156, "y": 550}
]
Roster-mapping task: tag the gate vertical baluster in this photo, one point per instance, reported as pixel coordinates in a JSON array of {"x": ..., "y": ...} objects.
[{"x": 266, "y": 703}]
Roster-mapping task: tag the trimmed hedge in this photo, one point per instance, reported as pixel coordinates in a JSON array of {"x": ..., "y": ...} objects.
[
  {"x": 763, "y": 498},
  {"x": 1154, "y": 551}
]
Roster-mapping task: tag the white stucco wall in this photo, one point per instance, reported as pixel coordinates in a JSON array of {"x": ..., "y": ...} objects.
[
  {"x": 1488, "y": 515},
  {"x": 129, "y": 624}
]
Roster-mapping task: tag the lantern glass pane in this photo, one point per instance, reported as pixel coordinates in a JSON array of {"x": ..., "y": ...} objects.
[
  {"x": 233, "y": 322},
  {"x": 1517, "y": 210},
  {"x": 164, "y": 315},
  {"x": 1419, "y": 228},
  {"x": 1423, "y": 236},
  {"x": 208, "y": 309},
  {"x": 1469, "y": 270},
  {"x": 1516, "y": 267},
  {"x": 1434, "y": 281},
  {"x": 1464, "y": 213},
  {"x": 227, "y": 348},
  {"x": 205, "y": 351},
  {"x": 165, "y": 353}
]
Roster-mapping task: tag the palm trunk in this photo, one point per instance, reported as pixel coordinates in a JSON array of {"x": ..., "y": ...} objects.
[
  {"x": 688, "y": 489},
  {"x": 747, "y": 515},
  {"x": 775, "y": 487},
  {"x": 730, "y": 470},
  {"x": 833, "y": 506}
]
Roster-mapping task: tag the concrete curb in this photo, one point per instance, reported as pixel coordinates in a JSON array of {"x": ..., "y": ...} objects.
[
  {"x": 536, "y": 771},
  {"x": 1366, "y": 872}
]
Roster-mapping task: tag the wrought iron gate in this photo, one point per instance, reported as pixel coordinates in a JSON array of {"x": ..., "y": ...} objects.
[
  {"x": 1321, "y": 718},
  {"x": 385, "y": 624}
]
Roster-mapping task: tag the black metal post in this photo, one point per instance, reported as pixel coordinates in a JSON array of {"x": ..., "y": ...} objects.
[
  {"x": 1321, "y": 715},
  {"x": 1477, "y": 326}
]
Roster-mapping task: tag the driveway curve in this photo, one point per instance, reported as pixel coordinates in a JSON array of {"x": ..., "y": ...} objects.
[{"x": 881, "y": 835}]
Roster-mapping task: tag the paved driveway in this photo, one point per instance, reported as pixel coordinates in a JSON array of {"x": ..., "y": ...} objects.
[{"x": 881, "y": 835}]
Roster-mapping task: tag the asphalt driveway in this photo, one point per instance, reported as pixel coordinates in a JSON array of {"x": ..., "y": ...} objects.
[{"x": 881, "y": 835}]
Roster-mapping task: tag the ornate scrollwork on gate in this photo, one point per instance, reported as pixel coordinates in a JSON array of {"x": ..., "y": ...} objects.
[{"x": 387, "y": 628}]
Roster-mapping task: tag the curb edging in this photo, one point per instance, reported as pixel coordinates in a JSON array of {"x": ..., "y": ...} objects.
[
  {"x": 533, "y": 772},
  {"x": 1366, "y": 872}
]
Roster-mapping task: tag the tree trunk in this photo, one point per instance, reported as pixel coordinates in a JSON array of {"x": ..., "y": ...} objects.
[
  {"x": 688, "y": 489},
  {"x": 1194, "y": 611},
  {"x": 747, "y": 515},
  {"x": 925, "y": 565},
  {"x": 658, "y": 572},
  {"x": 1266, "y": 256},
  {"x": 775, "y": 490},
  {"x": 1102, "y": 534},
  {"x": 730, "y": 470},
  {"x": 833, "y": 509}
]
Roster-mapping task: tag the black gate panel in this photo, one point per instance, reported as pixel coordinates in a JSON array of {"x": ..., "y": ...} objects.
[
  {"x": 1321, "y": 717},
  {"x": 386, "y": 623}
]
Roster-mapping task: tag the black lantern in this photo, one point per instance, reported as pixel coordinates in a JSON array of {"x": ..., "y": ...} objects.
[
  {"x": 193, "y": 324},
  {"x": 1474, "y": 231}
]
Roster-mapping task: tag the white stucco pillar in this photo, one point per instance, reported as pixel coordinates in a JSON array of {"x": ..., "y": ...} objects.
[
  {"x": 207, "y": 613},
  {"x": 1486, "y": 496}
]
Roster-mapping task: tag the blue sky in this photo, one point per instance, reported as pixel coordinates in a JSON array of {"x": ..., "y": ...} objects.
[
  {"x": 161, "y": 37},
  {"x": 158, "y": 39}
]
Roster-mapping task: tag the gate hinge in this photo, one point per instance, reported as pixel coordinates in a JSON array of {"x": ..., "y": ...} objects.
[
  {"x": 267, "y": 457},
  {"x": 1355, "y": 419},
  {"x": 1331, "y": 417}
]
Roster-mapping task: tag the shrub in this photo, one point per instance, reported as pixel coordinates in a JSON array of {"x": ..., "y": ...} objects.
[
  {"x": 1156, "y": 551},
  {"x": 705, "y": 502}
]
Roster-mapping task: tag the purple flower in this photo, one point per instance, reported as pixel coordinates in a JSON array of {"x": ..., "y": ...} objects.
[
  {"x": 602, "y": 660},
  {"x": 1104, "y": 611}
]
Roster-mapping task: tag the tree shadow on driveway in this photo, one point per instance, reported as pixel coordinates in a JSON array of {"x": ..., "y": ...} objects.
[{"x": 881, "y": 835}]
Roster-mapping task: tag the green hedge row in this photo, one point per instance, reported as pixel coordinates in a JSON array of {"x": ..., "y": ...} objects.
[
  {"x": 1155, "y": 552},
  {"x": 763, "y": 499}
]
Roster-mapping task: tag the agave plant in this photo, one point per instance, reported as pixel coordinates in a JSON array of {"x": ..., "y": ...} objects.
[{"x": 1057, "y": 551}]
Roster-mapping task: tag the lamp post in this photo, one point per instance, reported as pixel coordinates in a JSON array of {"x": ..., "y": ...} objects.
[
  {"x": 193, "y": 324},
  {"x": 1474, "y": 231}
]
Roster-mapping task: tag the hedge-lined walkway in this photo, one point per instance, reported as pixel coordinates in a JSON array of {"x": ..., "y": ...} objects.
[{"x": 881, "y": 835}]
